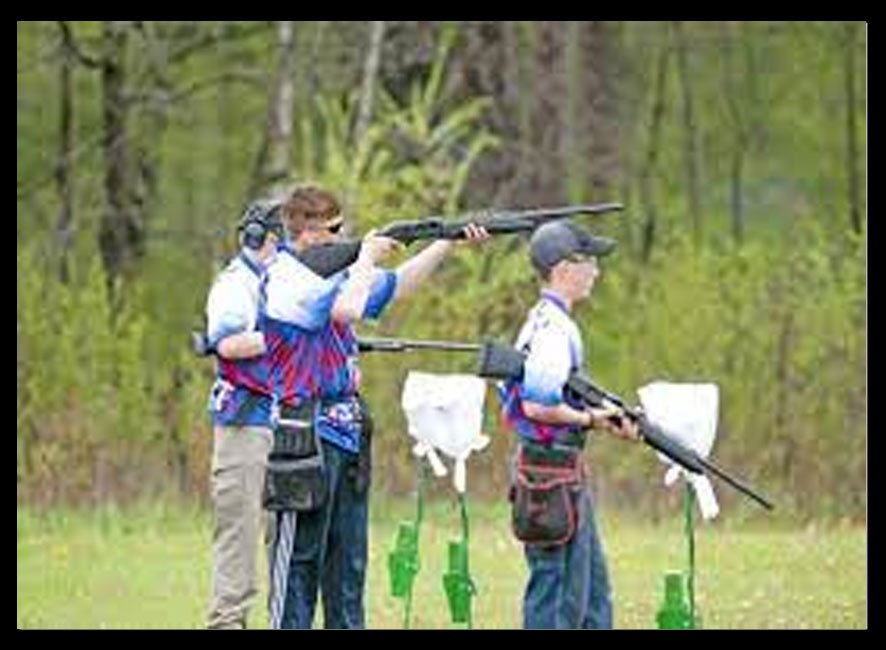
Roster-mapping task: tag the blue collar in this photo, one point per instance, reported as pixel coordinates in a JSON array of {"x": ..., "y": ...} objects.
[
  {"x": 554, "y": 298},
  {"x": 252, "y": 265},
  {"x": 287, "y": 247}
]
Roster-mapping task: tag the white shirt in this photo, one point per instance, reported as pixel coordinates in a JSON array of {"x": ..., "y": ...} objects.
[
  {"x": 298, "y": 296},
  {"x": 554, "y": 350},
  {"x": 233, "y": 302}
]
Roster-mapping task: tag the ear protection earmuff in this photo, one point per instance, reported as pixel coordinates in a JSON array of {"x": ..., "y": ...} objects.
[
  {"x": 254, "y": 234},
  {"x": 258, "y": 220}
]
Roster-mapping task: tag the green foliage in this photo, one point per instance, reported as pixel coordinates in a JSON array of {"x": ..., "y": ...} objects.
[
  {"x": 110, "y": 404},
  {"x": 782, "y": 334},
  {"x": 84, "y": 396},
  {"x": 412, "y": 158}
]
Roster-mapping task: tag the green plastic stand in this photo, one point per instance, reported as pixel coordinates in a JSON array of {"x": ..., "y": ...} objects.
[
  {"x": 457, "y": 582},
  {"x": 678, "y": 611},
  {"x": 403, "y": 561}
]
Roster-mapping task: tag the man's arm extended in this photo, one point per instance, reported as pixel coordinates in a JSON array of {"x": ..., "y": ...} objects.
[{"x": 414, "y": 271}]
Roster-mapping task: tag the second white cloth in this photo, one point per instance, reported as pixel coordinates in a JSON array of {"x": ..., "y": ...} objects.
[{"x": 688, "y": 413}]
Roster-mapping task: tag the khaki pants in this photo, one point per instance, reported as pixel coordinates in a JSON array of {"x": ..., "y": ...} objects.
[{"x": 239, "y": 459}]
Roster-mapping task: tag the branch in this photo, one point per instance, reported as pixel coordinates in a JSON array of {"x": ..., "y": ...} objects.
[
  {"x": 159, "y": 66},
  {"x": 207, "y": 39},
  {"x": 171, "y": 96},
  {"x": 69, "y": 42},
  {"x": 86, "y": 146}
]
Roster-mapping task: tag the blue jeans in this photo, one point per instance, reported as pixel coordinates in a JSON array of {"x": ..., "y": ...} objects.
[
  {"x": 568, "y": 585},
  {"x": 330, "y": 551}
]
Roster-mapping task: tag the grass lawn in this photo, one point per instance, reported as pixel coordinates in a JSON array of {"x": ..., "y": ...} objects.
[{"x": 148, "y": 567}]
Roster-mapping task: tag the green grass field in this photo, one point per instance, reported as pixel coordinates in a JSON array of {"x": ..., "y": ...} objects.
[{"x": 149, "y": 568}]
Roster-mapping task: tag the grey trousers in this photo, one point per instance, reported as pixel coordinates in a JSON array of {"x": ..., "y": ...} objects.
[{"x": 239, "y": 460}]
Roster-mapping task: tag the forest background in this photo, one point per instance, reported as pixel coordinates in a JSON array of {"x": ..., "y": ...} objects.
[{"x": 738, "y": 148}]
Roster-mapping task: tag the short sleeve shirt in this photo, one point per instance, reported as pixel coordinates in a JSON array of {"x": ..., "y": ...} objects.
[
  {"x": 241, "y": 394},
  {"x": 553, "y": 347}
]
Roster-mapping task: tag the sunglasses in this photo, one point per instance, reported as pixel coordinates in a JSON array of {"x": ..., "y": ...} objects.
[
  {"x": 330, "y": 228},
  {"x": 577, "y": 258}
]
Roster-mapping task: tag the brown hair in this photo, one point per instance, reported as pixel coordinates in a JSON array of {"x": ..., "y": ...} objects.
[{"x": 309, "y": 204}]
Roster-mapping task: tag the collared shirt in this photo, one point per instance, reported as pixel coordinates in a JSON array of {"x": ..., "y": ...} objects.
[
  {"x": 339, "y": 419},
  {"x": 552, "y": 343},
  {"x": 298, "y": 311},
  {"x": 241, "y": 394},
  {"x": 312, "y": 356}
]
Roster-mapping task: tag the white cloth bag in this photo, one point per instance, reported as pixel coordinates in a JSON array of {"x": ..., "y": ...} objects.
[
  {"x": 445, "y": 413},
  {"x": 688, "y": 413}
]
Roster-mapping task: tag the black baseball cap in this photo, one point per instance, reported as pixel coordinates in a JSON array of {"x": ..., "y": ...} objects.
[{"x": 557, "y": 240}]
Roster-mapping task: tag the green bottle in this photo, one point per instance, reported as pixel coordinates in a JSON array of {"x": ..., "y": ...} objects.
[
  {"x": 403, "y": 560},
  {"x": 458, "y": 584},
  {"x": 675, "y": 613}
]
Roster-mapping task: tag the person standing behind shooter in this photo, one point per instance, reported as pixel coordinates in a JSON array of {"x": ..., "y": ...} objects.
[{"x": 240, "y": 408}]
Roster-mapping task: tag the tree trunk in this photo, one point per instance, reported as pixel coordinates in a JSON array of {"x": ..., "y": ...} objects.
[
  {"x": 281, "y": 120},
  {"x": 487, "y": 64},
  {"x": 647, "y": 192},
  {"x": 364, "y": 108},
  {"x": 784, "y": 390},
  {"x": 521, "y": 66},
  {"x": 690, "y": 131},
  {"x": 545, "y": 185},
  {"x": 852, "y": 171},
  {"x": 273, "y": 161},
  {"x": 494, "y": 61},
  {"x": 121, "y": 234},
  {"x": 599, "y": 108},
  {"x": 63, "y": 177},
  {"x": 515, "y": 106},
  {"x": 370, "y": 73},
  {"x": 733, "y": 93},
  {"x": 736, "y": 204}
]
